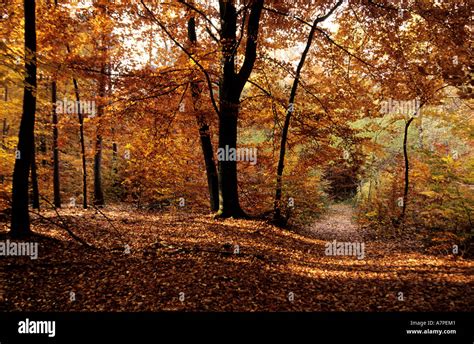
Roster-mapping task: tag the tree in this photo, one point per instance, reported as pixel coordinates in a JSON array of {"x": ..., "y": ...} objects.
[
  {"x": 289, "y": 112},
  {"x": 82, "y": 143},
  {"x": 204, "y": 130},
  {"x": 231, "y": 85},
  {"x": 103, "y": 48},
  {"x": 56, "y": 177},
  {"x": 34, "y": 180},
  {"x": 20, "y": 223}
]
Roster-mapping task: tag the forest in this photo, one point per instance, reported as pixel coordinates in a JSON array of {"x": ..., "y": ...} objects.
[{"x": 236, "y": 155}]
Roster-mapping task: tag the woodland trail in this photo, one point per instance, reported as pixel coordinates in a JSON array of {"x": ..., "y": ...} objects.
[{"x": 336, "y": 224}]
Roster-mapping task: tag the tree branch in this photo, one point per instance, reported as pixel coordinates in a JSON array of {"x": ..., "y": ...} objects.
[
  {"x": 206, "y": 74},
  {"x": 251, "y": 47}
]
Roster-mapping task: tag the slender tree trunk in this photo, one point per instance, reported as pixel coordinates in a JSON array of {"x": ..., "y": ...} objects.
[
  {"x": 81, "y": 137},
  {"x": 4, "y": 133},
  {"x": 20, "y": 224},
  {"x": 407, "y": 169},
  {"x": 211, "y": 170},
  {"x": 204, "y": 132},
  {"x": 54, "y": 115},
  {"x": 98, "y": 192},
  {"x": 83, "y": 148},
  {"x": 103, "y": 48},
  {"x": 114, "y": 158},
  {"x": 289, "y": 113},
  {"x": 34, "y": 180},
  {"x": 286, "y": 126},
  {"x": 43, "y": 149},
  {"x": 114, "y": 142},
  {"x": 56, "y": 177}
]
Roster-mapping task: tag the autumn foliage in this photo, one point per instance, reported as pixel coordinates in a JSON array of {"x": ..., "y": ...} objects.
[{"x": 368, "y": 103}]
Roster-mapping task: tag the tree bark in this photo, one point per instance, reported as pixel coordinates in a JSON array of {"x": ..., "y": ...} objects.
[
  {"x": 56, "y": 177},
  {"x": 204, "y": 132},
  {"x": 98, "y": 191},
  {"x": 227, "y": 175},
  {"x": 114, "y": 156},
  {"x": 230, "y": 88},
  {"x": 103, "y": 48},
  {"x": 211, "y": 170},
  {"x": 34, "y": 180},
  {"x": 4, "y": 133},
  {"x": 20, "y": 222},
  {"x": 407, "y": 169},
  {"x": 83, "y": 148}
]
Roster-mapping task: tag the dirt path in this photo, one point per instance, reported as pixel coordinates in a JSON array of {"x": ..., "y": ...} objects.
[{"x": 336, "y": 224}]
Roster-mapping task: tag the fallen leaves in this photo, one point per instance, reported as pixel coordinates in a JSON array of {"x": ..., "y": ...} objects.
[{"x": 188, "y": 262}]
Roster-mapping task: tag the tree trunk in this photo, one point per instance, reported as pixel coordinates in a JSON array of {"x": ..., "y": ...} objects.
[
  {"x": 103, "y": 48},
  {"x": 230, "y": 89},
  {"x": 20, "y": 223},
  {"x": 229, "y": 96},
  {"x": 211, "y": 170},
  {"x": 83, "y": 148},
  {"x": 34, "y": 180},
  {"x": 98, "y": 192},
  {"x": 227, "y": 175},
  {"x": 56, "y": 178},
  {"x": 4, "y": 133},
  {"x": 114, "y": 157},
  {"x": 407, "y": 168},
  {"x": 204, "y": 132},
  {"x": 289, "y": 113},
  {"x": 286, "y": 126}
]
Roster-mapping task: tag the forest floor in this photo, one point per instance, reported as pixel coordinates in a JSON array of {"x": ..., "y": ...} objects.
[{"x": 192, "y": 262}]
